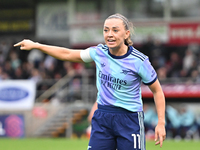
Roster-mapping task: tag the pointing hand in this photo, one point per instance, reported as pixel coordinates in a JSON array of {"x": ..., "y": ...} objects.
[{"x": 26, "y": 45}]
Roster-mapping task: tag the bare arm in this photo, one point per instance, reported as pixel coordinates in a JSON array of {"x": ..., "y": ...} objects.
[
  {"x": 159, "y": 99},
  {"x": 61, "y": 53},
  {"x": 94, "y": 107}
]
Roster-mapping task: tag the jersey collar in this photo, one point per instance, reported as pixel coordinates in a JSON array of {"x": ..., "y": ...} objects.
[{"x": 123, "y": 56}]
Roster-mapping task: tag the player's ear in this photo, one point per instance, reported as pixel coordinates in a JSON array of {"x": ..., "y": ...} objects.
[{"x": 127, "y": 34}]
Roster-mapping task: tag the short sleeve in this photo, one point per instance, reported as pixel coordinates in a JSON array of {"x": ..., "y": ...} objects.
[{"x": 147, "y": 72}]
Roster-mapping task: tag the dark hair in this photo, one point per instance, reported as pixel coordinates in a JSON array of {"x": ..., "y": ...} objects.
[{"x": 128, "y": 26}]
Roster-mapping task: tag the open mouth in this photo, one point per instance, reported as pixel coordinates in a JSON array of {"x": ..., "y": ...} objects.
[{"x": 111, "y": 41}]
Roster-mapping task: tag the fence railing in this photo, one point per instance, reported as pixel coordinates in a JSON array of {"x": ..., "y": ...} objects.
[{"x": 69, "y": 88}]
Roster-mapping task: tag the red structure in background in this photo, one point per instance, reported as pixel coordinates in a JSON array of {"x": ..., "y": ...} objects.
[
  {"x": 184, "y": 33},
  {"x": 175, "y": 91}
]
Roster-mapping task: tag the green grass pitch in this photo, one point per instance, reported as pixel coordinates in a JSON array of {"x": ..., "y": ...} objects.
[{"x": 81, "y": 144}]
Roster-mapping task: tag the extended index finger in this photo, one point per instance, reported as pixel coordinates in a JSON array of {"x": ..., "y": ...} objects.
[
  {"x": 18, "y": 44},
  {"x": 161, "y": 141}
]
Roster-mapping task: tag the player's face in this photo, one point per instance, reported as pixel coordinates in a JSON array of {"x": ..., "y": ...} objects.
[{"x": 115, "y": 33}]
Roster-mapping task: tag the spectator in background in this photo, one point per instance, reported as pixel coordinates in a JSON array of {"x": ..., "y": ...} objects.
[
  {"x": 162, "y": 73},
  {"x": 26, "y": 69},
  {"x": 190, "y": 65},
  {"x": 57, "y": 76},
  {"x": 68, "y": 68},
  {"x": 173, "y": 122},
  {"x": 18, "y": 74},
  {"x": 50, "y": 71},
  {"x": 1, "y": 57},
  {"x": 79, "y": 68},
  {"x": 75, "y": 90},
  {"x": 188, "y": 60},
  {"x": 157, "y": 55},
  {"x": 198, "y": 124},
  {"x": 187, "y": 120},
  {"x": 49, "y": 61},
  {"x": 4, "y": 50},
  {"x": 43, "y": 71},
  {"x": 193, "y": 69},
  {"x": 14, "y": 59},
  {"x": 5, "y": 76},
  {"x": 148, "y": 46},
  {"x": 150, "y": 120},
  {"x": 1, "y": 73},
  {"x": 35, "y": 75},
  {"x": 174, "y": 65},
  {"x": 35, "y": 57},
  {"x": 50, "y": 66},
  {"x": 8, "y": 69}
]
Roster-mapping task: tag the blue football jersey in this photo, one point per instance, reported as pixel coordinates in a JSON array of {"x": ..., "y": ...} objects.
[{"x": 118, "y": 78}]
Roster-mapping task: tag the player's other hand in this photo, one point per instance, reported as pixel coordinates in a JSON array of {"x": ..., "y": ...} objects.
[
  {"x": 160, "y": 134},
  {"x": 26, "y": 45}
]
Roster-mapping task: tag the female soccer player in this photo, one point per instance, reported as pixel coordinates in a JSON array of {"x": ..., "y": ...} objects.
[{"x": 118, "y": 123}]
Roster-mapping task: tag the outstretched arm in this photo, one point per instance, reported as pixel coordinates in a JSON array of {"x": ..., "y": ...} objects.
[
  {"x": 160, "y": 133},
  {"x": 61, "y": 53}
]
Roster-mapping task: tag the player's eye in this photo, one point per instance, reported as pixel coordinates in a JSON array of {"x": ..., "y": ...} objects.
[
  {"x": 115, "y": 30},
  {"x": 105, "y": 30}
]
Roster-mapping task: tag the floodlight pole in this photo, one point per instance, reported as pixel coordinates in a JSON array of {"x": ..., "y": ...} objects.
[{"x": 167, "y": 10}]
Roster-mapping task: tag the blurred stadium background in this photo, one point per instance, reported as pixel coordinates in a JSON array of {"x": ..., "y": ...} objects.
[{"x": 44, "y": 97}]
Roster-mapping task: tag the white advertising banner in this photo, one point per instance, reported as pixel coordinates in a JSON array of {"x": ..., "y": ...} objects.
[{"x": 17, "y": 94}]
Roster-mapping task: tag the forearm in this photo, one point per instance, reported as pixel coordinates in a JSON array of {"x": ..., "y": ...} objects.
[
  {"x": 159, "y": 99},
  {"x": 160, "y": 106},
  {"x": 60, "y": 53}
]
